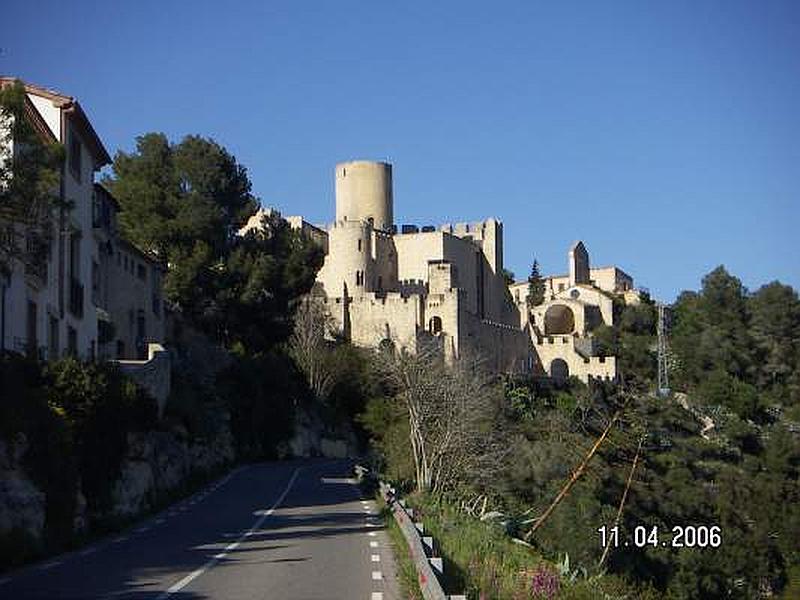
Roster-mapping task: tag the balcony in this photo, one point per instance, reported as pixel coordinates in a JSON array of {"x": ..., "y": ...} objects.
[{"x": 75, "y": 297}]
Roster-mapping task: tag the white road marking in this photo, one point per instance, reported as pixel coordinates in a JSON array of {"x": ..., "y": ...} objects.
[
  {"x": 373, "y": 544},
  {"x": 177, "y": 587},
  {"x": 376, "y": 558},
  {"x": 50, "y": 565},
  {"x": 377, "y": 575},
  {"x": 159, "y": 521},
  {"x": 119, "y": 540},
  {"x": 142, "y": 530},
  {"x": 88, "y": 551},
  {"x": 5, "y": 580},
  {"x": 376, "y": 596},
  {"x": 372, "y": 533}
]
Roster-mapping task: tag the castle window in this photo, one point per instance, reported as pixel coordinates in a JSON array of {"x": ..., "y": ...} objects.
[
  {"x": 435, "y": 325},
  {"x": 560, "y": 287},
  {"x": 359, "y": 245}
]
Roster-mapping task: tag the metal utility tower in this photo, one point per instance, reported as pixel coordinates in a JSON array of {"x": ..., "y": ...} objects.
[{"x": 663, "y": 371}]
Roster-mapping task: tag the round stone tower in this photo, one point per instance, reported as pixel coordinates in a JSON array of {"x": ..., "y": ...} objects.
[{"x": 364, "y": 193}]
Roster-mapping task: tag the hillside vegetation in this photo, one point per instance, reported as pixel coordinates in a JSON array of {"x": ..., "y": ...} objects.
[{"x": 722, "y": 450}]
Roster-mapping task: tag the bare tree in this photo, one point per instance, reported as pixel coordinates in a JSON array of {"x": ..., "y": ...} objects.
[
  {"x": 451, "y": 411},
  {"x": 309, "y": 349}
]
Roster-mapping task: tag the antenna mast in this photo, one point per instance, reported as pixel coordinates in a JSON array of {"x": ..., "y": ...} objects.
[{"x": 663, "y": 371}]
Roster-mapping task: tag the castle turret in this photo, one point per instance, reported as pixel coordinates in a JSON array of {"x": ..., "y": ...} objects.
[
  {"x": 578, "y": 264},
  {"x": 364, "y": 193},
  {"x": 351, "y": 243}
]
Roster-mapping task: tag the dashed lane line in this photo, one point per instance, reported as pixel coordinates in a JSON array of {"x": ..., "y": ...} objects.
[
  {"x": 376, "y": 596},
  {"x": 178, "y": 586},
  {"x": 375, "y": 558},
  {"x": 377, "y": 575},
  {"x": 373, "y": 544}
]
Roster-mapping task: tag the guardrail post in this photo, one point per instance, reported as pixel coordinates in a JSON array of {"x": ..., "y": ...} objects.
[{"x": 437, "y": 564}]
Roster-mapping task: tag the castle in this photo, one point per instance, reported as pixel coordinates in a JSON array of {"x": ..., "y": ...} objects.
[{"x": 445, "y": 286}]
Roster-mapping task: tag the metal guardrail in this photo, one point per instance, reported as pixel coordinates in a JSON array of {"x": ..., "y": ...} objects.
[{"x": 420, "y": 547}]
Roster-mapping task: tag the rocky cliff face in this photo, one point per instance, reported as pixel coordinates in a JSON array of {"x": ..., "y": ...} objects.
[
  {"x": 313, "y": 437},
  {"x": 156, "y": 463},
  {"x": 159, "y": 462}
]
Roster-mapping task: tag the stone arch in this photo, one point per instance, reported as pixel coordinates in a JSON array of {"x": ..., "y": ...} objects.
[
  {"x": 558, "y": 320},
  {"x": 559, "y": 369},
  {"x": 435, "y": 325}
]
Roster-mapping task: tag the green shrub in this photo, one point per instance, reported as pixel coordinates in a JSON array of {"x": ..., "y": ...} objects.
[
  {"x": 50, "y": 457},
  {"x": 101, "y": 407}
]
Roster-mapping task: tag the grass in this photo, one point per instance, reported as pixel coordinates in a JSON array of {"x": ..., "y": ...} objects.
[
  {"x": 483, "y": 562},
  {"x": 479, "y": 558}
]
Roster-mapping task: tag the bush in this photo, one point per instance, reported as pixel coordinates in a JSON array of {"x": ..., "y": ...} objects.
[
  {"x": 101, "y": 406},
  {"x": 75, "y": 418},
  {"x": 50, "y": 458}
]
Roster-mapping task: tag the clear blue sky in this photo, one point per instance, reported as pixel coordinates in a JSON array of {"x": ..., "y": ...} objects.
[{"x": 666, "y": 135}]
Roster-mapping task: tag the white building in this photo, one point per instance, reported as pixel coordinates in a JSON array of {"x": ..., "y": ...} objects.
[{"x": 53, "y": 309}]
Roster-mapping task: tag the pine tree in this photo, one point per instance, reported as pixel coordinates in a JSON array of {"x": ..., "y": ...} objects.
[{"x": 535, "y": 286}]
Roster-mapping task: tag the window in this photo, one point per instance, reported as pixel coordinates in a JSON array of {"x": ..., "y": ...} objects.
[
  {"x": 141, "y": 272},
  {"x": 75, "y": 256},
  {"x": 75, "y": 156},
  {"x": 53, "y": 342},
  {"x": 95, "y": 283},
  {"x": 72, "y": 341},
  {"x": 31, "y": 343},
  {"x": 560, "y": 287},
  {"x": 435, "y": 325},
  {"x": 359, "y": 245}
]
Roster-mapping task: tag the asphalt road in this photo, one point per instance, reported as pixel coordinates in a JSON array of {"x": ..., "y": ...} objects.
[{"x": 288, "y": 530}]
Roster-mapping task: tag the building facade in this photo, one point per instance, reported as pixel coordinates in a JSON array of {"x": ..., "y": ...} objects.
[
  {"x": 561, "y": 328},
  {"x": 62, "y": 305},
  {"x": 410, "y": 285},
  {"x": 444, "y": 285}
]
